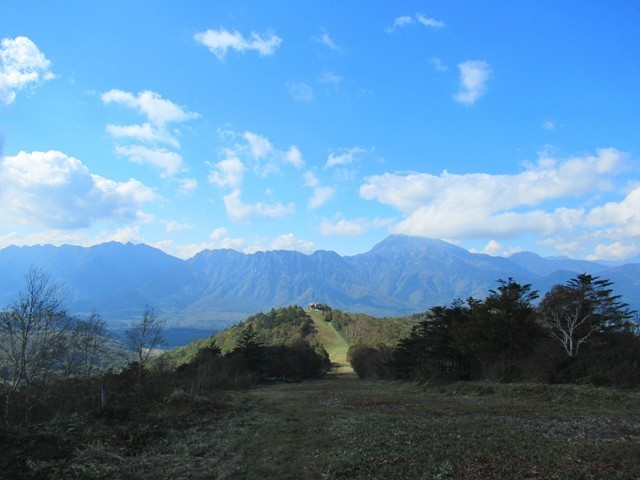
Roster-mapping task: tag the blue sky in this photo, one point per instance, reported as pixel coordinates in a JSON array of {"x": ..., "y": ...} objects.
[{"x": 498, "y": 126}]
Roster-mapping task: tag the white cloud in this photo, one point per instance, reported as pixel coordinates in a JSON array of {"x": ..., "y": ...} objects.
[
  {"x": 293, "y": 156},
  {"x": 343, "y": 227},
  {"x": 186, "y": 186},
  {"x": 168, "y": 162},
  {"x": 146, "y": 133},
  {"x": 22, "y": 65},
  {"x": 419, "y": 18},
  {"x": 476, "y": 205},
  {"x": 351, "y": 228},
  {"x": 330, "y": 78},
  {"x": 495, "y": 248},
  {"x": 172, "y": 226},
  {"x": 402, "y": 21},
  {"x": 310, "y": 179},
  {"x": 238, "y": 210},
  {"x": 474, "y": 75},
  {"x": 321, "y": 195},
  {"x": 219, "y": 238},
  {"x": 159, "y": 113},
  {"x": 54, "y": 190},
  {"x": 614, "y": 251},
  {"x": 428, "y": 22},
  {"x": 326, "y": 40},
  {"x": 301, "y": 92},
  {"x": 158, "y": 110},
  {"x": 228, "y": 173},
  {"x": 344, "y": 157},
  {"x": 438, "y": 64},
  {"x": 623, "y": 218},
  {"x": 220, "y": 41},
  {"x": 548, "y": 125},
  {"x": 259, "y": 145},
  {"x": 290, "y": 242},
  {"x": 257, "y": 152}
]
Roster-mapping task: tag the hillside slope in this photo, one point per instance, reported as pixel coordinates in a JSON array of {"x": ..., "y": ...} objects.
[{"x": 334, "y": 343}]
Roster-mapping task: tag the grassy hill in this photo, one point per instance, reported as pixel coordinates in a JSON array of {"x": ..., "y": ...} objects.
[{"x": 333, "y": 330}]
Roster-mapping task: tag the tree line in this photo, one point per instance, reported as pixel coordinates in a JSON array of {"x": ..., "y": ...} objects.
[
  {"x": 51, "y": 361},
  {"x": 579, "y": 332}
]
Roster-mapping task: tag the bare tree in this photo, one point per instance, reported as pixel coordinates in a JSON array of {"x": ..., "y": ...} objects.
[
  {"x": 144, "y": 336},
  {"x": 585, "y": 306},
  {"x": 86, "y": 344},
  {"x": 32, "y": 332}
]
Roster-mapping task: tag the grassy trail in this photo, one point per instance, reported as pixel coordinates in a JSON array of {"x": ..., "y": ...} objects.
[{"x": 335, "y": 345}]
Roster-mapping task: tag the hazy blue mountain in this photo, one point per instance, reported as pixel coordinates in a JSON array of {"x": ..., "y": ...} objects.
[
  {"x": 400, "y": 275},
  {"x": 114, "y": 279},
  {"x": 546, "y": 266}
]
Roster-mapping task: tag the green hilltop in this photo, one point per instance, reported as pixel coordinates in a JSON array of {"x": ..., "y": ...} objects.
[{"x": 332, "y": 330}]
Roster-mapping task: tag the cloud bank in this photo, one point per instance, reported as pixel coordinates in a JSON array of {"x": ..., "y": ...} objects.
[
  {"x": 478, "y": 205},
  {"x": 52, "y": 190}
]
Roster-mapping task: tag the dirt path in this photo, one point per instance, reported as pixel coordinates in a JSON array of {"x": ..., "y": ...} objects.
[{"x": 335, "y": 345}]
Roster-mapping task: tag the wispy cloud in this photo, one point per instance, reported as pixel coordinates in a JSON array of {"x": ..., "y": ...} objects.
[
  {"x": 351, "y": 228},
  {"x": 438, "y": 64},
  {"x": 169, "y": 163},
  {"x": 418, "y": 18},
  {"x": 238, "y": 210},
  {"x": 428, "y": 22},
  {"x": 301, "y": 91},
  {"x": 474, "y": 75},
  {"x": 257, "y": 153},
  {"x": 344, "y": 156},
  {"x": 143, "y": 133},
  {"x": 159, "y": 113},
  {"x": 186, "y": 186},
  {"x": 220, "y": 41},
  {"x": 321, "y": 194},
  {"x": 325, "y": 39},
  {"x": 22, "y": 65},
  {"x": 158, "y": 110},
  {"x": 330, "y": 78}
]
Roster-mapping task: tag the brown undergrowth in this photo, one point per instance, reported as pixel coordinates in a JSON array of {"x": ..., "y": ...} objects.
[{"x": 342, "y": 427}]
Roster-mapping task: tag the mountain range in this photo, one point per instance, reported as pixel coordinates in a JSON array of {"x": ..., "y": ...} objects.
[{"x": 216, "y": 288}]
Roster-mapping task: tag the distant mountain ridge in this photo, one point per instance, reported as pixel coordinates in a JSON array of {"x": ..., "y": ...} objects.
[{"x": 215, "y": 288}]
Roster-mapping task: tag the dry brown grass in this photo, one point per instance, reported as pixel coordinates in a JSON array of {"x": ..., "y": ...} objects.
[{"x": 342, "y": 427}]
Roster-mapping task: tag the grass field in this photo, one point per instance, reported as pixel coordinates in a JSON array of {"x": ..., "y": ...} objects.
[
  {"x": 341, "y": 427},
  {"x": 336, "y": 346}
]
